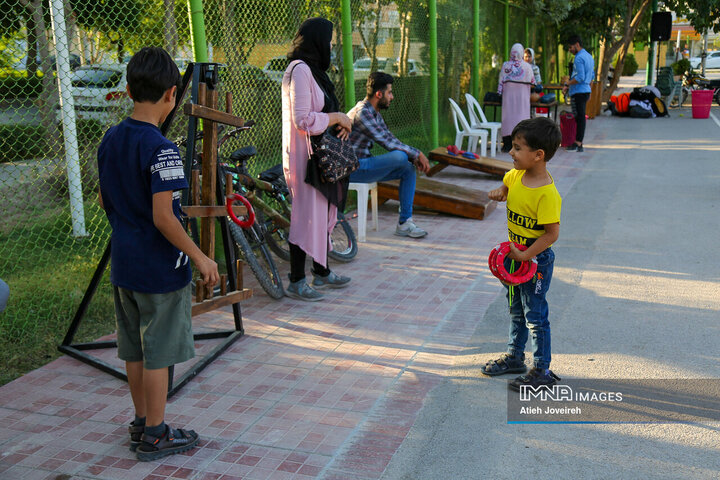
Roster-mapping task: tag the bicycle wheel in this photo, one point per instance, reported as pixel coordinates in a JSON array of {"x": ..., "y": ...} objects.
[
  {"x": 343, "y": 241},
  {"x": 276, "y": 235},
  {"x": 252, "y": 248}
]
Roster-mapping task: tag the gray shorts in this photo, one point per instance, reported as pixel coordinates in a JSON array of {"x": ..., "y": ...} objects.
[{"x": 154, "y": 328}]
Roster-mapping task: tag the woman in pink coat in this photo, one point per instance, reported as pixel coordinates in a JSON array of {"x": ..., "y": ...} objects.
[
  {"x": 516, "y": 76},
  {"x": 309, "y": 107}
]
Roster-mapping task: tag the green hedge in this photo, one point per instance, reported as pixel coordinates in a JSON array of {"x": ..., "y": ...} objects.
[
  {"x": 13, "y": 86},
  {"x": 631, "y": 66},
  {"x": 20, "y": 142}
]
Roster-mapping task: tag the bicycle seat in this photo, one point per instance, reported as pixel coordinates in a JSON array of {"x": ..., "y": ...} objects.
[
  {"x": 241, "y": 155},
  {"x": 272, "y": 174}
]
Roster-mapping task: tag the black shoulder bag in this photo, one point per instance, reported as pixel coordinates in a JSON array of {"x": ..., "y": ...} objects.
[
  {"x": 330, "y": 158},
  {"x": 334, "y": 158}
]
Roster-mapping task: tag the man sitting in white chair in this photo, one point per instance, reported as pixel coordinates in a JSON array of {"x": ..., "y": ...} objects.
[{"x": 368, "y": 128}]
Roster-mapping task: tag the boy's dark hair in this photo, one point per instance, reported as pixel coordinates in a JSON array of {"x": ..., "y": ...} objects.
[
  {"x": 573, "y": 39},
  {"x": 150, "y": 73},
  {"x": 540, "y": 133},
  {"x": 378, "y": 81}
]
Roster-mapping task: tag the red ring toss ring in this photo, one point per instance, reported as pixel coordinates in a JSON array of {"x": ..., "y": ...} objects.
[
  {"x": 496, "y": 260},
  {"x": 248, "y": 222}
]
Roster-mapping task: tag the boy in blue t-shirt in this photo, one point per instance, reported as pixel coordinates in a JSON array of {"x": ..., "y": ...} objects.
[
  {"x": 141, "y": 175},
  {"x": 533, "y": 215}
]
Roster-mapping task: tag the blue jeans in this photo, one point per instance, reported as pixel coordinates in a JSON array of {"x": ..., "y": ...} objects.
[
  {"x": 529, "y": 312},
  {"x": 390, "y": 166}
]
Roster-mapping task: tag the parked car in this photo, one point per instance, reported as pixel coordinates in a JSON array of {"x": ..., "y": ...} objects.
[
  {"x": 73, "y": 59},
  {"x": 275, "y": 68},
  {"x": 415, "y": 68},
  {"x": 711, "y": 61},
  {"x": 99, "y": 92},
  {"x": 362, "y": 67}
]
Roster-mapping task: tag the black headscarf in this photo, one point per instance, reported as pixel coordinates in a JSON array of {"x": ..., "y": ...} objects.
[{"x": 312, "y": 46}]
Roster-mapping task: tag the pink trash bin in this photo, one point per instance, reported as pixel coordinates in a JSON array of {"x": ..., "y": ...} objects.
[{"x": 701, "y": 102}]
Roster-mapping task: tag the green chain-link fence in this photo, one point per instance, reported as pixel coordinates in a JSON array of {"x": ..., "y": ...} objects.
[{"x": 53, "y": 232}]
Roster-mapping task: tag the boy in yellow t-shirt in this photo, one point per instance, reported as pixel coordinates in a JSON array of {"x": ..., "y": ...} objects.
[{"x": 533, "y": 215}]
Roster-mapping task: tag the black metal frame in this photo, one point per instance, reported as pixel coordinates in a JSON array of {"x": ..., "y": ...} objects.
[{"x": 195, "y": 73}]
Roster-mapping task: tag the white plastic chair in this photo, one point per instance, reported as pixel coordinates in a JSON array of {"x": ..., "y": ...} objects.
[
  {"x": 463, "y": 130},
  {"x": 478, "y": 120},
  {"x": 363, "y": 190}
]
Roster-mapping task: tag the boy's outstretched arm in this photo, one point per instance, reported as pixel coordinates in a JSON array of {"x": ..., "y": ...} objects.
[
  {"x": 552, "y": 232},
  {"x": 499, "y": 194},
  {"x": 168, "y": 224}
]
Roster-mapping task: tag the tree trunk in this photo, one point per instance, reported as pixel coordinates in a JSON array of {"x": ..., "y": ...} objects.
[
  {"x": 621, "y": 46},
  {"x": 120, "y": 48},
  {"x": 402, "y": 55},
  {"x": 48, "y": 98},
  {"x": 32, "y": 51},
  {"x": 170, "y": 30},
  {"x": 364, "y": 40},
  {"x": 374, "y": 41},
  {"x": 70, "y": 25}
]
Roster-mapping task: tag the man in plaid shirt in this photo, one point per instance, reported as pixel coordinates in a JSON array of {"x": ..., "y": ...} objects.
[{"x": 368, "y": 128}]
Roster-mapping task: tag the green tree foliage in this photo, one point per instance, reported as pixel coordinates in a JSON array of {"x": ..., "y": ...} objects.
[
  {"x": 703, "y": 15},
  {"x": 11, "y": 18},
  {"x": 551, "y": 11},
  {"x": 116, "y": 19},
  {"x": 615, "y": 23},
  {"x": 155, "y": 28}
]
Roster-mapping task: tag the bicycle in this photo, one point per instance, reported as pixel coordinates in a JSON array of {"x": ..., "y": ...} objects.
[
  {"x": 693, "y": 80},
  {"x": 269, "y": 189},
  {"x": 272, "y": 225},
  {"x": 249, "y": 242}
]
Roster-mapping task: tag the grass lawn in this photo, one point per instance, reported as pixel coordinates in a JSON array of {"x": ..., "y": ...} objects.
[
  {"x": 48, "y": 275},
  {"x": 48, "y": 271}
]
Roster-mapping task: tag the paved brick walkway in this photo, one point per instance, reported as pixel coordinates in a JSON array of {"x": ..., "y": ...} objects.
[{"x": 313, "y": 390}]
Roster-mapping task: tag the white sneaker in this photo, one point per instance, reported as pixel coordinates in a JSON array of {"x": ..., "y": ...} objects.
[{"x": 409, "y": 229}]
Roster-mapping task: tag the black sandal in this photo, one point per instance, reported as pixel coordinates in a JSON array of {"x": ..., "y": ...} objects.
[
  {"x": 135, "y": 432},
  {"x": 504, "y": 364},
  {"x": 172, "y": 441}
]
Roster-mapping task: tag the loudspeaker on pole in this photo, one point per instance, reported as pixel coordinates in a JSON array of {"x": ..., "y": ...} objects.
[{"x": 660, "y": 26}]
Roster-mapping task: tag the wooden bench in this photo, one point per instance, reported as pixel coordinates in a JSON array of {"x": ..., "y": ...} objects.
[
  {"x": 442, "y": 197},
  {"x": 489, "y": 165}
]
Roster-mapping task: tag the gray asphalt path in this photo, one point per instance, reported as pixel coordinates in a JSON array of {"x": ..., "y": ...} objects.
[{"x": 635, "y": 294}]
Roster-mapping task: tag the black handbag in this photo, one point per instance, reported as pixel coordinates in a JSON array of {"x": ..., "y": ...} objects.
[
  {"x": 329, "y": 158},
  {"x": 334, "y": 158}
]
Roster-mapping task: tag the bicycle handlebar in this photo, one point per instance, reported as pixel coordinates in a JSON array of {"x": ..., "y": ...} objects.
[{"x": 182, "y": 141}]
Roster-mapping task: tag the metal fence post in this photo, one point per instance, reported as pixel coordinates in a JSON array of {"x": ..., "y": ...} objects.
[
  {"x": 349, "y": 72},
  {"x": 475, "y": 78},
  {"x": 506, "y": 31},
  {"x": 650, "y": 66},
  {"x": 67, "y": 105},
  {"x": 527, "y": 32},
  {"x": 197, "y": 30},
  {"x": 434, "y": 111}
]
